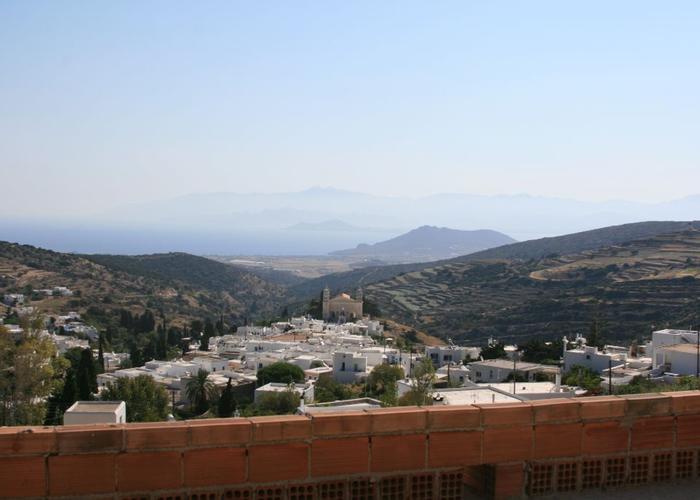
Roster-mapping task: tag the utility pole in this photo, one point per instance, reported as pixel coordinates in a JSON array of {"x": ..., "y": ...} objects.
[
  {"x": 610, "y": 389},
  {"x": 697, "y": 356}
]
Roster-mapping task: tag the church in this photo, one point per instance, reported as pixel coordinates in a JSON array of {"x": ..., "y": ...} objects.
[{"x": 342, "y": 308}]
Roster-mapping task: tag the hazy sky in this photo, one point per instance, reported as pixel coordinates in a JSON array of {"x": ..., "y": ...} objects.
[{"x": 110, "y": 102}]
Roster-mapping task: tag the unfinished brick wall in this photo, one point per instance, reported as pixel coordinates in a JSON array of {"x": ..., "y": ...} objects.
[{"x": 498, "y": 451}]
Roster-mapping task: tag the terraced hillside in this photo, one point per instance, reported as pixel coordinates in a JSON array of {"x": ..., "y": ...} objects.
[
  {"x": 524, "y": 250},
  {"x": 628, "y": 288},
  {"x": 183, "y": 286}
]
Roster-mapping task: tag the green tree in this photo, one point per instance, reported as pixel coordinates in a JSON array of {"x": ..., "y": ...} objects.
[
  {"x": 595, "y": 333},
  {"x": 382, "y": 383},
  {"x": 280, "y": 372},
  {"x": 86, "y": 376},
  {"x": 279, "y": 403},
  {"x": 69, "y": 392},
  {"x": 200, "y": 391},
  {"x": 494, "y": 351},
  {"x": 30, "y": 372},
  {"x": 101, "y": 355},
  {"x": 422, "y": 385},
  {"x": 162, "y": 344},
  {"x": 204, "y": 343},
  {"x": 135, "y": 355},
  {"x": 536, "y": 350},
  {"x": 582, "y": 377},
  {"x": 327, "y": 389},
  {"x": 146, "y": 400},
  {"x": 146, "y": 322},
  {"x": 227, "y": 403}
]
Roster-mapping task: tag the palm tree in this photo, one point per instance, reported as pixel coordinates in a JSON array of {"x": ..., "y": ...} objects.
[{"x": 200, "y": 391}]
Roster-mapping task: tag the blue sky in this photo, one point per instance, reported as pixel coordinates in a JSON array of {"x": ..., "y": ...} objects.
[{"x": 103, "y": 103}]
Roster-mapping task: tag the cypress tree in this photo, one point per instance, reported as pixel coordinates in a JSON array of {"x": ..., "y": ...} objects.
[
  {"x": 69, "y": 394},
  {"x": 227, "y": 405},
  {"x": 100, "y": 356},
  {"x": 204, "y": 343},
  {"x": 87, "y": 376}
]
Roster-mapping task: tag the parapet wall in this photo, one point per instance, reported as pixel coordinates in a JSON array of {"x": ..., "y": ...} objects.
[{"x": 497, "y": 451}]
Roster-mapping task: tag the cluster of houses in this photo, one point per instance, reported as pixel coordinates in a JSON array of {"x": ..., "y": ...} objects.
[
  {"x": 348, "y": 351},
  {"x": 18, "y": 299},
  {"x": 668, "y": 356}
]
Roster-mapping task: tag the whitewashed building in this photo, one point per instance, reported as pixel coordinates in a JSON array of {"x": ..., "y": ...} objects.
[
  {"x": 444, "y": 354},
  {"x": 304, "y": 391},
  {"x": 678, "y": 359},
  {"x": 95, "y": 412},
  {"x": 349, "y": 367},
  {"x": 661, "y": 339},
  {"x": 593, "y": 359}
]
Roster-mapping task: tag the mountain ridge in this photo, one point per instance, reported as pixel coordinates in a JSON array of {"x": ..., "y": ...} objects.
[
  {"x": 428, "y": 243},
  {"x": 181, "y": 285},
  {"x": 575, "y": 242}
]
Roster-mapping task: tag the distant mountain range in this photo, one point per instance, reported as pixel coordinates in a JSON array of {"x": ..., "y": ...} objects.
[
  {"x": 297, "y": 223},
  {"x": 521, "y": 216},
  {"x": 428, "y": 243}
]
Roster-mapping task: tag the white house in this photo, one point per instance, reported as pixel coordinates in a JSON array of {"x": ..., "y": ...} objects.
[
  {"x": 304, "y": 361},
  {"x": 305, "y": 391},
  {"x": 349, "y": 367},
  {"x": 113, "y": 360},
  {"x": 210, "y": 363},
  {"x": 679, "y": 359},
  {"x": 342, "y": 406},
  {"x": 472, "y": 395},
  {"x": 457, "y": 374},
  {"x": 442, "y": 354},
  {"x": 664, "y": 338},
  {"x": 593, "y": 359},
  {"x": 62, "y": 291},
  {"x": 95, "y": 412},
  {"x": 498, "y": 370},
  {"x": 13, "y": 299}
]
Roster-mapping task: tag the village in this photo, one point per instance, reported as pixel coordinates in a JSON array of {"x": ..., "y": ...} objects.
[{"x": 345, "y": 347}]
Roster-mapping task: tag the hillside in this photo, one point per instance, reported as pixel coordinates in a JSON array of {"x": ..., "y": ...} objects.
[
  {"x": 567, "y": 244},
  {"x": 182, "y": 285},
  {"x": 586, "y": 240},
  {"x": 627, "y": 288},
  {"x": 428, "y": 243}
]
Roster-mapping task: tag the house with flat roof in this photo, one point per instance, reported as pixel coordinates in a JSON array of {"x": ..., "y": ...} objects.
[
  {"x": 661, "y": 339},
  {"x": 95, "y": 412},
  {"x": 498, "y": 370},
  {"x": 304, "y": 391},
  {"x": 679, "y": 359}
]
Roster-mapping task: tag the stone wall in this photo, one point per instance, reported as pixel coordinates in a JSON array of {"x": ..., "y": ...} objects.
[{"x": 494, "y": 451}]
